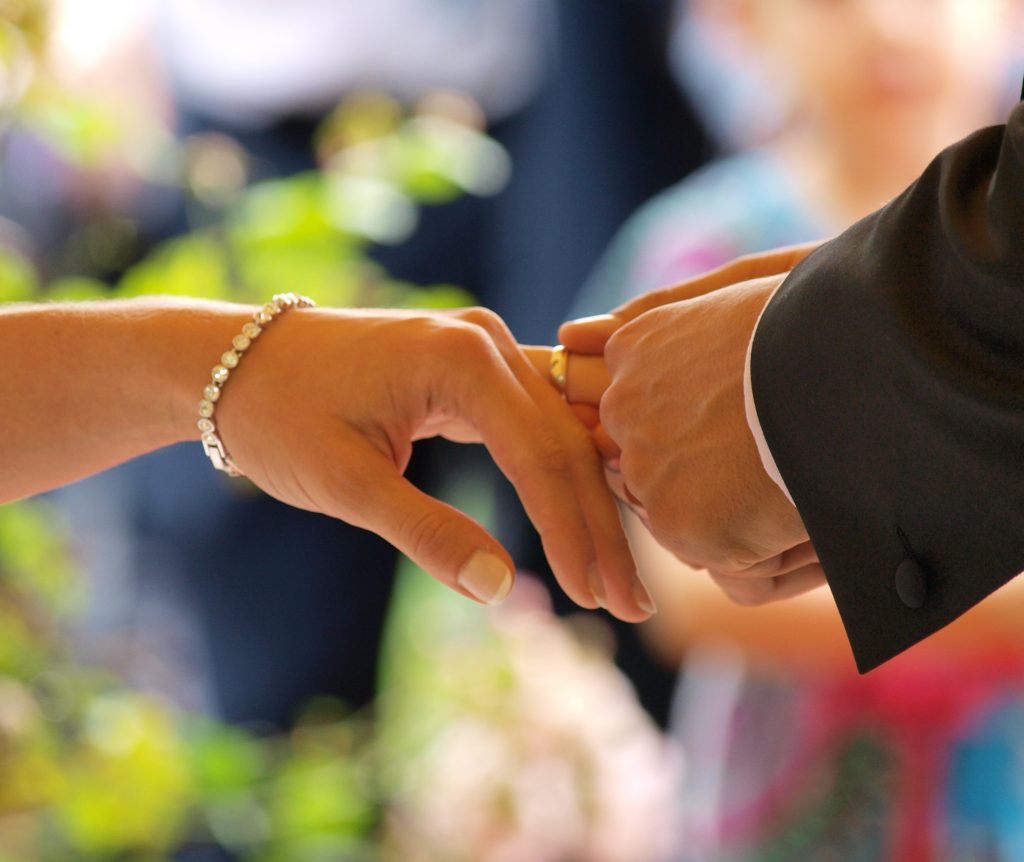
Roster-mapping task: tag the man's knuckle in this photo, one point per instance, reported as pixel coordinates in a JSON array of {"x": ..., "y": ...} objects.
[
  {"x": 670, "y": 515},
  {"x": 676, "y": 545},
  {"x": 734, "y": 562},
  {"x": 615, "y": 348},
  {"x": 610, "y": 409},
  {"x": 722, "y": 551}
]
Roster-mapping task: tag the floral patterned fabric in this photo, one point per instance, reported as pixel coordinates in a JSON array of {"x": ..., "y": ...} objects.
[{"x": 920, "y": 761}]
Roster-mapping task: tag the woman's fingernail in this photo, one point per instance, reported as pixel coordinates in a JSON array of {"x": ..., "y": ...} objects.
[
  {"x": 596, "y": 585},
  {"x": 486, "y": 577},
  {"x": 643, "y": 598}
]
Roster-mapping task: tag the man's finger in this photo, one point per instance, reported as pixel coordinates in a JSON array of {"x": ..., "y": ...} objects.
[
  {"x": 744, "y": 268},
  {"x": 751, "y": 592},
  {"x": 590, "y": 334},
  {"x": 788, "y": 561}
]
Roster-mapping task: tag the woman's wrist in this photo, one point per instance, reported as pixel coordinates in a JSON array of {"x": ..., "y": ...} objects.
[
  {"x": 192, "y": 337},
  {"x": 226, "y": 368}
]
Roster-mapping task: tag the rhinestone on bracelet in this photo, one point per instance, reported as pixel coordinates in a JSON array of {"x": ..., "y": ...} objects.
[{"x": 213, "y": 446}]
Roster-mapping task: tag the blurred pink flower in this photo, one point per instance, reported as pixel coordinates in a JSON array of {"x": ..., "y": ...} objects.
[{"x": 550, "y": 756}]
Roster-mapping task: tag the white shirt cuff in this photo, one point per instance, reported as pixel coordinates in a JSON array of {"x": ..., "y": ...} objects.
[{"x": 752, "y": 421}]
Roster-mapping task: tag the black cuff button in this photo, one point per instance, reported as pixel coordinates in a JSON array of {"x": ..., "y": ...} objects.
[{"x": 911, "y": 583}]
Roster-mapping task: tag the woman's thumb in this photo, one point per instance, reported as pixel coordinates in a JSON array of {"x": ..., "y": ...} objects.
[{"x": 446, "y": 543}]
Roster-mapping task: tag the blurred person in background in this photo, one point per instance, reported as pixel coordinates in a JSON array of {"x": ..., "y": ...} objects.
[{"x": 922, "y": 760}]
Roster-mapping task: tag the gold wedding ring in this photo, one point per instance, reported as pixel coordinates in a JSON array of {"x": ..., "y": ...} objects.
[{"x": 559, "y": 366}]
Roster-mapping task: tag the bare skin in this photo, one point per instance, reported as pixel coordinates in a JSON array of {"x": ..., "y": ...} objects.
[
  {"x": 673, "y": 428},
  {"x": 321, "y": 414},
  {"x": 695, "y": 606}
]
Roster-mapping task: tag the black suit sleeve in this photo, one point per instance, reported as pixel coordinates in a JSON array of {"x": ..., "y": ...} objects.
[{"x": 888, "y": 377}]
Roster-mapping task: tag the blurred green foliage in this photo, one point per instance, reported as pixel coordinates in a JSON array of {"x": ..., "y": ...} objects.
[
  {"x": 89, "y": 768},
  {"x": 495, "y": 736}
]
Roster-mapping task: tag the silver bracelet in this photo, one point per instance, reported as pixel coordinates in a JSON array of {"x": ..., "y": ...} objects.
[{"x": 213, "y": 446}]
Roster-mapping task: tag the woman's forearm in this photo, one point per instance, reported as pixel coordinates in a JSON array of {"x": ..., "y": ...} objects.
[{"x": 85, "y": 386}]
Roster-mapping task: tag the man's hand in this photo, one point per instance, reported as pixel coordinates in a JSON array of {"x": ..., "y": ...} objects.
[
  {"x": 673, "y": 428},
  {"x": 688, "y": 463},
  {"x": 324, "y": 413}
]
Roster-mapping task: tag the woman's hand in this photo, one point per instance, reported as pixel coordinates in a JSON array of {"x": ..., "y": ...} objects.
[
  {"x": 676, "y": 409},
  {"x": 323, "y": 412}
]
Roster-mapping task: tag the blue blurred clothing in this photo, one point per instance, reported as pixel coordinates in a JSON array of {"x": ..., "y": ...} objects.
[{"x": 736, "y": 205}]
